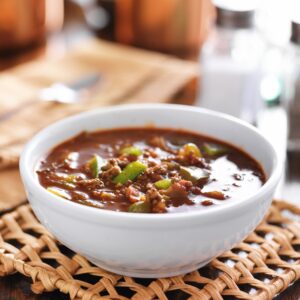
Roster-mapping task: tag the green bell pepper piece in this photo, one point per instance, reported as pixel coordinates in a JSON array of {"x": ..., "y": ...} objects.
[
  {"x": 95, "y": 164},
  {"x": 163, "y": 184},
  {"x": 193, "y": 174},
  {"x": 132, "y": 151},
  {"x": 190, "y": 148},
  {"x": 130, "y": 172},
  {"x": 213, "y": 149},
  {"x": 140, "y": 207}
]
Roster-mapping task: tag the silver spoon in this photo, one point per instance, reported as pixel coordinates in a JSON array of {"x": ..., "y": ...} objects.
[
  {"x": 60, "y": 93},
  {"x": 68, "y": 94}
]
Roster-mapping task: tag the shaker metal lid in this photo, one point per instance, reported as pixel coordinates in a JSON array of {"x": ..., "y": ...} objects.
[{"x": 235, "y": 14}]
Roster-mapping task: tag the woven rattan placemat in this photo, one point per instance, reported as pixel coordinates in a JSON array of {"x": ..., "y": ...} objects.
[{"x": 262, "y": 266}]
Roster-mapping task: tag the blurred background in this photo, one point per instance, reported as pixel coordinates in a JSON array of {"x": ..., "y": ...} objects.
[{"x": 247, "y": 52}]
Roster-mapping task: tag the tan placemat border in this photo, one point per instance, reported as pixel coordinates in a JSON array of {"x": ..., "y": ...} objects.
[{"x": 260, "y": 263}]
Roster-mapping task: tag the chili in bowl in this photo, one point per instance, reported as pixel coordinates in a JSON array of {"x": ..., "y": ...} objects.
[
  {"x": 149, "y": 170},
  {"x": 150, "y": 201}
]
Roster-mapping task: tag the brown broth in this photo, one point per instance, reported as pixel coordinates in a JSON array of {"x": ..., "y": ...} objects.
[{"x": 232, "y": 173}]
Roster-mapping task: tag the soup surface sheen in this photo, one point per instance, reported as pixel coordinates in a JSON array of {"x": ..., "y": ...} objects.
[{"x": 149, "y": 170}]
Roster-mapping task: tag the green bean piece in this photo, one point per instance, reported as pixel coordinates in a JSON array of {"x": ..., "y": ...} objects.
[
  {"x": 95, "y": 164},
  {"x": 190, "y": 148},
  {"x": 130, "y": 172},
  {"x": 132, "y": 151},
  {"x": 59, "y": 192},
  {"x": 163, "y": 184},
  {"x": 193, "y": 174},
  {"x": 140, "y": 207}
]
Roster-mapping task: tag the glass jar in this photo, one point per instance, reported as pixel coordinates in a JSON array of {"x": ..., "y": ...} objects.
[
  {"x": 230, "y": 63},
  {"x": 292, "y": 83}
]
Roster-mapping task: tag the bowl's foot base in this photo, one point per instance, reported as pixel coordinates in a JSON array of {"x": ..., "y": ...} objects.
[{"x": 150, "y": 273}]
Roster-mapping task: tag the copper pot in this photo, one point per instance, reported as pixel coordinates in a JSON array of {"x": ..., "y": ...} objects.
[
  {"x": 25, "y": 23},
  {"x": 171, "y": 26}
]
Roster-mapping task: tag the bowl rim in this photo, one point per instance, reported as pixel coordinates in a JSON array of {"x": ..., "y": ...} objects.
[{"x": 30, "y": 180}]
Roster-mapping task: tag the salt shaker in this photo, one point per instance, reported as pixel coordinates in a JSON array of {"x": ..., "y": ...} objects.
[{"x": 230, "y": 62}]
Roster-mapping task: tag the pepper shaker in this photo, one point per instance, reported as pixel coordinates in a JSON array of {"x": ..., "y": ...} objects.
[{"x": 292, "y": 82}]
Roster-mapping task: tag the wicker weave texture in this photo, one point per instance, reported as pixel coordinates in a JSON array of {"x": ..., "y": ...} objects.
[{"x": 262, "y": 266}]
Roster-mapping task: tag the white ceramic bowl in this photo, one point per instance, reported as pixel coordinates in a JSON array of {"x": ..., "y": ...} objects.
[{"x": 150, "y": 245}]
